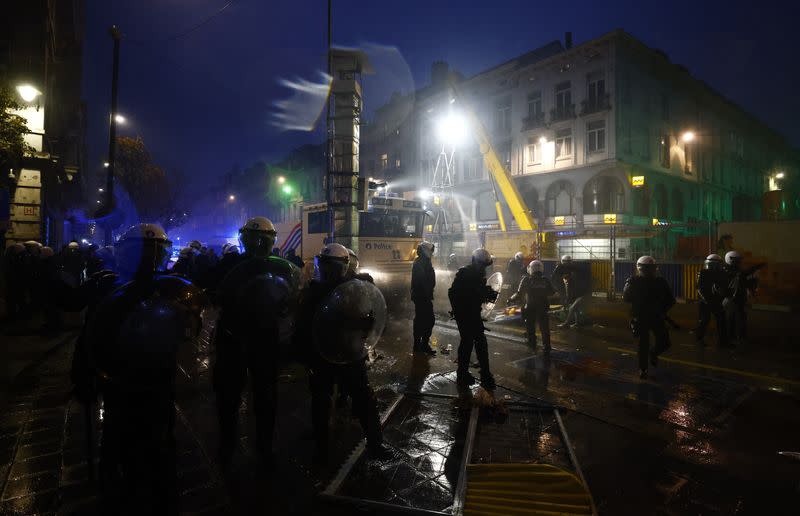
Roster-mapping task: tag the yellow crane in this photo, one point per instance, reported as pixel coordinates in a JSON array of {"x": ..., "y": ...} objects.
[{"x": 502, "y": 177}]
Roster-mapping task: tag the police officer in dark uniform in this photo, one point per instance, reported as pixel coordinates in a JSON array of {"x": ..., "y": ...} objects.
[
  {"x": 467, "y": 293},
  {"x": 515, "y": 270},
  {"x": 741, "y": 284},
  {"x": 320, "y": 330},
  {"x": 711, "y": 288},
  {"x": 423, "y": 281},
  {"x": 13, "y": 268},
  {"x": 536, "y": 290},
  {"x": 651, "y": 298},
  {"x": 134, "y": 339},
  {"x": 256, "y": 298}
]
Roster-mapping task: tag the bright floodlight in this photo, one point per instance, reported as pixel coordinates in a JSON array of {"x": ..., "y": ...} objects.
[
  {"x": 105, "y": 164},
  {"x": 120, "y": 119},
  {"x": 425, "y": 194},
  {"x": 780, "y": 175},
  {"x": 281, "y": 180},
  {"x": 542, "y": 140},
  {"x": 688, "y": 137},
  {"x": 28, "y": 92},
  {"x": 451, "y": 129},
  {"x": 287, "y": 189},
  {"x": 231, "y": 197}
]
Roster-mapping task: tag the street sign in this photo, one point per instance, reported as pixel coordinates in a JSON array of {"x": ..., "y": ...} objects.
[
  {"x": 558, "y": 221},
  {"x": 637, "y": 181},
  {"x": 610, "y": 218}
]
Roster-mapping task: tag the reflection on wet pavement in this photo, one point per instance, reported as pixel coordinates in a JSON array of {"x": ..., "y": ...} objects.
[{"x": 426, "y": 436}]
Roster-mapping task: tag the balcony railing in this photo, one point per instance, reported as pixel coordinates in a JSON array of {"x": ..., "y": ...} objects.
[
  {"x": 533, "y": 121},
  {"x": 595, "y": 105},
  {"x": 562, "y": 113}
]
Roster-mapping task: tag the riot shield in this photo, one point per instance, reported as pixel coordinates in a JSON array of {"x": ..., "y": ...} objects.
[
  {"x": 349, "y": 322},
  {"x": 494, "y": 282}
]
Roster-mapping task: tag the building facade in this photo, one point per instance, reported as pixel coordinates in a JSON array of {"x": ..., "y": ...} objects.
[
  {"x": 41, "y": 50},
  {"x": 606, "y": 133}
]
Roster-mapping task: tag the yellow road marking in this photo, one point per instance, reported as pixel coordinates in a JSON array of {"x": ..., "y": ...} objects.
[{"x": 714, "y": 368}]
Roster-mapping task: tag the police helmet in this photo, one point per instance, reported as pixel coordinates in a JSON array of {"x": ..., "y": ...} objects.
[
  {"x": 47, "y": 252},
  {"x": 73, "y": 245},
  {"x": 482, "y": 258},
  {"x": 257, "y": 236},
  {"x": 713, "y": 261},
  {"x": 143, "y": 248},
  {"x": 333, "y": 261},
  {"x": 566, "y": 259},
  {"x": 535, "y": 266},
  {"x": 425, "y": 249},
  {"x": 231, "y": 249},
  {"x": 646, "y": 265},
  {"x": 195, "y": 244},
  {"x": 519, "y": 256},
  {"x": 733, "y": 257}
]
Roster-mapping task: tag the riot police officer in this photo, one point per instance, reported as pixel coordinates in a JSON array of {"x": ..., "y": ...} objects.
[
  {"x": 467, "y": 293},
  {"x": 255, "y": 300},
  {"x": 741, "y": 283},
  {"x": 329, "y": 358},
  {"x": 13, "y": 268},
  {"x": 711, "y": 288},
  {"x": 574, "y": 288},
  {"x": 651, "y": 298},
  {"x": 423, "y": 281},
  {"x": 515, "y": 270},
  {"x": 536, "y": 290},
  {"x": 134, "y": 339}
]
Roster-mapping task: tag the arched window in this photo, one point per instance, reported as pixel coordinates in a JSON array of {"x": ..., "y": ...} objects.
[
  {"x": 677, "y": 204},
  {"x": 560, "y": 199},
  {"x": 640, "y": 197},
  {"x": 660, "y": 205},
  {"x": 531, "y": 197},
  {"x": 485, "y": 209},
  {"x": 603, "y": 194}
]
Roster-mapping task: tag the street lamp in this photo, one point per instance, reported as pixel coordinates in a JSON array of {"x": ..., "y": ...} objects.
[
  {"x": 105, "y": 164},
  {"x": 28, "y": 92},
  {"x": 452, "y": 129},
  {"x": 120, "y": 119},
  {"x": 231, "y": 197},
  {"x": 287, "y": 189},
  {"x": 281, "y": 180},
  {"x": 780, "y": 175},
  {"x": 687, "y": 137}
]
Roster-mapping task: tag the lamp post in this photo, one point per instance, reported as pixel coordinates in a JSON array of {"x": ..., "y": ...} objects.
[{"x": 116, "y": 36}]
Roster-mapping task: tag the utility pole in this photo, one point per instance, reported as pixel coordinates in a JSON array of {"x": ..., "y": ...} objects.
[
  {"x": 112, "y": 132},
  {"x": 329, "y": 136}
]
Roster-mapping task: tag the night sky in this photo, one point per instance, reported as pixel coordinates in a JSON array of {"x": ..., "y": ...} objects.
[{"x": 202, "y": 94}]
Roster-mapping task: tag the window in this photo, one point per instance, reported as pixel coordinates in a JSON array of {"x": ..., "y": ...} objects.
[
  {"x": 563, "y": 97},
  {"x": 504, "y": 153},
  {"x": 689, "y": 157},
  {"x": 663, "y": 151},
  {"x": 563, "y": 143},
  {"x": 596, "y": 89},
  {"x": 384, "y": 161},
  {"x": 472, "y": 168},
  {"x": 397, "y": 160},
  {"x": 502, "y": 115},
  {"x": 560, "y": 197},
  {"x": 535, "y": 105},
  {"x": 596, "y": 136},
  {"x": 390, "y": 224},
  {"x": 534, "y": 151},
  {"x": 317, "y": 222}
]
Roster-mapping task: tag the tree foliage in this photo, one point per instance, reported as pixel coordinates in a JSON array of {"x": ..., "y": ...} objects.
[
  {"x": 146, "y": 183},
  {"x": 12, "y": 130}
]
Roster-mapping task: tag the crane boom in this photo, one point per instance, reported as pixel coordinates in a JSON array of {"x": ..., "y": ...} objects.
[{"x": 519, "y": 209}]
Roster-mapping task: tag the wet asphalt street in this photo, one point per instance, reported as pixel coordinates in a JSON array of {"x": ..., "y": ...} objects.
[{"x": 700, "y": 436}]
